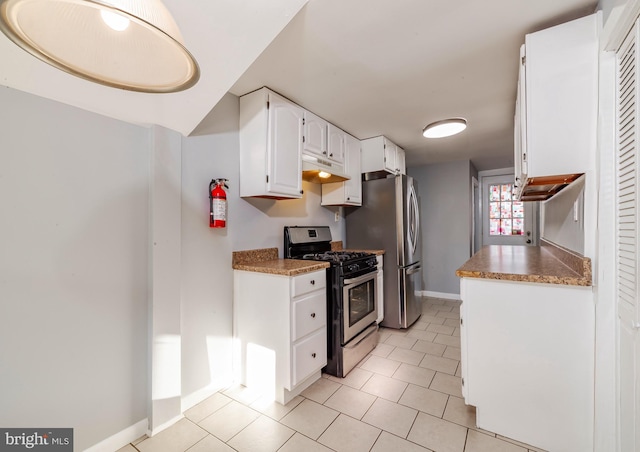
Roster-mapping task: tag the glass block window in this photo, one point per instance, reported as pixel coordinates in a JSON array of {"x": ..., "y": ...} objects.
[{"x": 506, "y": 216}]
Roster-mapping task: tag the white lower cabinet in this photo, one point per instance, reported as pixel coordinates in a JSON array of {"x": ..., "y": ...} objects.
[
  {"x": 527, "y": 352},
  {"x": 280, "y": 329}
]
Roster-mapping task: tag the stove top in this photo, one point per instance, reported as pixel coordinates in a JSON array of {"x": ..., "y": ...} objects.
[
  {"x": 314, "y": 243},
  {"x": 336, "y": 256}
]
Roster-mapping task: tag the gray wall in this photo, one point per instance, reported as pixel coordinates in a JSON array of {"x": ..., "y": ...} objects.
[
  {"x": 74, "y": 260},
  {"x": 73, "y": 268},
  {"x": 445, "y": 213}
]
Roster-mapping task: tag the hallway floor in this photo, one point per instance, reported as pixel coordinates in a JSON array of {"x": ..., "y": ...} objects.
[{"x": 404, "y": 396}]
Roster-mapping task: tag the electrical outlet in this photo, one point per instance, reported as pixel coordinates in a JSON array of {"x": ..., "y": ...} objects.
[{"x": 337, "y": 216}]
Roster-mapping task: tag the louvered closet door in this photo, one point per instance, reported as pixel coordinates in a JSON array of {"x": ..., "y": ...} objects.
[{"x": 627, "y": 241}]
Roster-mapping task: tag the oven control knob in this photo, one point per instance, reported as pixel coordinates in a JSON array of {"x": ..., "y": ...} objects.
[{"x": 353, "y": 267}]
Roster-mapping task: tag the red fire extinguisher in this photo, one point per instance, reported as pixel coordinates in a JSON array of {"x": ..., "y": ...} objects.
[{"x": 217, "y": 203}]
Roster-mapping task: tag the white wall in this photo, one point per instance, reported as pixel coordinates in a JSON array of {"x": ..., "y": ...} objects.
[
  {"x": 73, "y": 268},
  {"x": 444, "y": 191},
  {"x": 562, "y": 218}
]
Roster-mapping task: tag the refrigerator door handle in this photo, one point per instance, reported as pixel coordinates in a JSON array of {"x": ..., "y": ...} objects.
[
  {"x": 413, "y": 226},
  {"x": 414, "y": 269}
]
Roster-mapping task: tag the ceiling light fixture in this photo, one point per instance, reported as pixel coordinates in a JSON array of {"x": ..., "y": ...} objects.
[
  {"x": 129, "y": 44},
  {"x": 445, "y": 128}
]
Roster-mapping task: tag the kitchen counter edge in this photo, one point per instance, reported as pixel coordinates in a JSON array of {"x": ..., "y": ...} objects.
[
  {"x": 265, "y": 260},
  {"x": 547, "y": 264}
]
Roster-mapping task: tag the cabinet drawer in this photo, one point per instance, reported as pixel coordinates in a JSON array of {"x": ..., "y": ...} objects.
[
  {"x": 308, "y": 282},
  {"x": 309, "y": 314},
  {"x": 309, "y": 356}
]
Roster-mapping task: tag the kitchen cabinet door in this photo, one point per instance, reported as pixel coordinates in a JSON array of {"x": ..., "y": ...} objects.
[
  {"x": 347, "y": 193},
  {"x": 271, "y": 140},
  {"x": 315, "y": 135},
  {"x": 390, "y": 152},
  {"x": 400, "y": 161},
  {"x": 353, "y": 187},
  {"x": 336, "y": 146},
  {"x": 285, "y": 146}
]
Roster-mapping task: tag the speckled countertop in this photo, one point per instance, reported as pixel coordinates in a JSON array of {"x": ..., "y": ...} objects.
[
  {"x": 266, "y": 260},
  {"x": 547, "y": 263}
]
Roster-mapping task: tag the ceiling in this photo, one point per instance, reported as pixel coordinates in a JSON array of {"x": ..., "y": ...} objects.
[
  {"x": 225, "y": 36},
  {"x": 371, "y": 67},
  {"x": 390, "y": 68}
]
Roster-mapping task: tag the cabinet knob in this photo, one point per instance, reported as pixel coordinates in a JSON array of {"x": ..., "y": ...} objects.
[
  {"x": 331, "y": 155},
  {"x": 348, "y": 199},
  {"x": 313, "y": 315},
  {"x": 313, "y": 282},
  {"x": 313, "y": 355},
  {"x": 324, "y": 152}
]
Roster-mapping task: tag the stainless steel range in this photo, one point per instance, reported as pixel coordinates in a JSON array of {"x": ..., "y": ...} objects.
[{"x": 352, "y": 301}]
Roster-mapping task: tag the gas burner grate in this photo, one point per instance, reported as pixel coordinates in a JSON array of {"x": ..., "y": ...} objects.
[{"x": 336, "y": 256}]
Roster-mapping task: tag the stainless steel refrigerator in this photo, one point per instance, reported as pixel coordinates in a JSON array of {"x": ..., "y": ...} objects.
[{"x": 389, "y": 219}]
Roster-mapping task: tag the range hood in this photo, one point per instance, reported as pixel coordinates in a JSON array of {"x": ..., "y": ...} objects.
[
  {"x": 319, "y": 171},
  {"x": 543, "y": 188}
]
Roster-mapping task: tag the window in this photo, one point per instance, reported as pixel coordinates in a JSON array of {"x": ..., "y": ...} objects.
[{"x": 506, "y": 216}]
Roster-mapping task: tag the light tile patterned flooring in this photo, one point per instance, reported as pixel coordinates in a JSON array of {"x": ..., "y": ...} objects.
[{"x": 404, "y": 396}]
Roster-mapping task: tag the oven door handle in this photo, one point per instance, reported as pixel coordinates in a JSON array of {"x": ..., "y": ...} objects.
[
  {"x": 369, "y": 331},
  {"x": 361, "y": 279}
]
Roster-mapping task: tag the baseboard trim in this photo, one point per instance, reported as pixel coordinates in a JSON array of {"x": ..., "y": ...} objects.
[
  {"x": 446, "y": 296},
  {"x": 122, "y": 438},
  {"x": 164, "y": 426},
  {"x": 200, "y": 395}
]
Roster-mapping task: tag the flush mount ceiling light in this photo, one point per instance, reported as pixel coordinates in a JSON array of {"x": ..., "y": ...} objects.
[
  {"x": 129, "y": 44},
  {"x": 445, "y": 128}
]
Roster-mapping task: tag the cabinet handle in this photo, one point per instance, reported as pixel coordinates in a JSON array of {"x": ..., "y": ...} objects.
[
  {"x": 313, "y": 355},
  {"x": 313, "y": 315},
  {"x": 313, "y": 282}
]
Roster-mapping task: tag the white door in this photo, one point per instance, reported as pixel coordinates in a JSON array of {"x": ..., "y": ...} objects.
[
  {"x": 506, "y": 221},
  {"x": 627, "y": 235}
]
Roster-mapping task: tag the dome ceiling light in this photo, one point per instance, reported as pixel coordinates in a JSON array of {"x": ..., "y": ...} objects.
[
  {"x": 129, "y": 44},
  {"x": 445, "y": 128}
]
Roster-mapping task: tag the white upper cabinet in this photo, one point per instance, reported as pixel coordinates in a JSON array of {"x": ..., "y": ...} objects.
[
  {"x": 381, "y": 154},
  {"x": 271, "y": 141},
  {"x": 315, "y": 135},
  {"x": 557, "y": 107},
  {"x": 347, "y": 193},
  {"x": 336, "y": 147}
]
